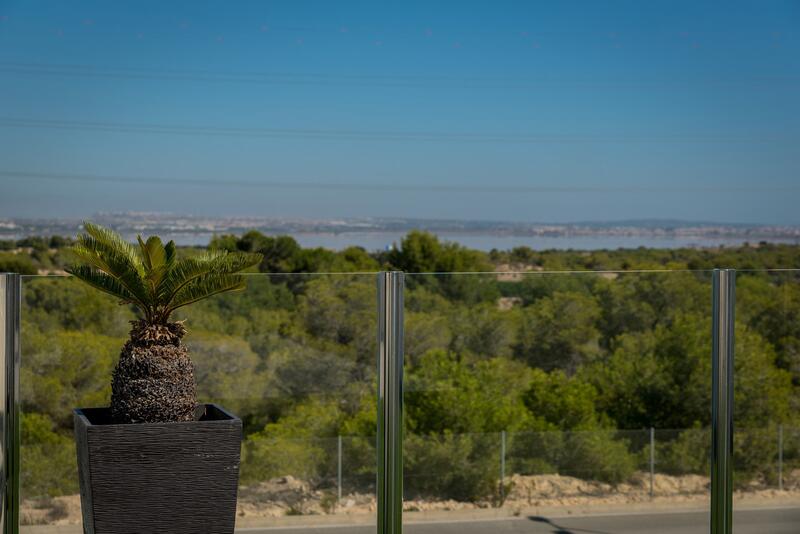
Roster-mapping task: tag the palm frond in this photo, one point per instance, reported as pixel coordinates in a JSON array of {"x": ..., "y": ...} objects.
[
  {"x": 171, "y": 254},
  {"x": 112, "y": 261},
  {"x": 187, "y": 270},
  {"x": 153, "y": 253},
  {"x": 112, "y": 240},
  {"x": 151, "y": 276},
  {"x": 234, "y": 262},
  {"x": 154, "y": 259},
  {"x": 100, "y": 280},
  {"x": 204, "y": 287},
  {"x": 182, "y": 272}
]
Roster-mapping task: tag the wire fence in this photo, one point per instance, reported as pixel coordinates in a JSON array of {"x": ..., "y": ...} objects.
[
  {"x": 495, "y": 466},
  {"x": 489, "y": 467}
]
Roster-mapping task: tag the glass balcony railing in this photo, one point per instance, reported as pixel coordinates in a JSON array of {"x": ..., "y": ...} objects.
[
  {"x": 557, "y": 393},
  {"x": 766, "y": 453},
  {"x": 546, "y": 397},
  {"x": 293, "y": 356}
]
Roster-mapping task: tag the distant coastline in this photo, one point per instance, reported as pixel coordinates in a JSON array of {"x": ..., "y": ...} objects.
[{"x": 381, "y": 233}]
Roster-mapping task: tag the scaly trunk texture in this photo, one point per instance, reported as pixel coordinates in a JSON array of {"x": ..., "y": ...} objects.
[{"x": 153, "y": 381}]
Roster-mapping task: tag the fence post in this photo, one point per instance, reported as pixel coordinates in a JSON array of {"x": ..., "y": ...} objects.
[
  {"x": 502, "y": 466},
  {"x": 390, "y": 403},
  {"x": 723, "y": 332},
  {"x": 339, "y": 470},
  {"x": 10, "y": 306},
  {"x": 780, "y": 457},
  {"x": 652, "y": 460}
]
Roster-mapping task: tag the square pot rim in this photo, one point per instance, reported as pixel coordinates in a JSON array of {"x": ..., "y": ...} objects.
[{"x": 80, "y": 414}]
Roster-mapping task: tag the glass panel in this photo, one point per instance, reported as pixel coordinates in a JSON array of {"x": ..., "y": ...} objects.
[
  {"x": 766, "y": 459},
  {"x": 540, "y": 395},
  {"x": 292, "y": 355}
]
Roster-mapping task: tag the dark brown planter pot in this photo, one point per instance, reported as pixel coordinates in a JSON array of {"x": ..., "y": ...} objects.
[{"x": 176, "y": 478}]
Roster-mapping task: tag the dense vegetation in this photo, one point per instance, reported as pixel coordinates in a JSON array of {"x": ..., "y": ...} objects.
[{"x": 572, "y": 366}]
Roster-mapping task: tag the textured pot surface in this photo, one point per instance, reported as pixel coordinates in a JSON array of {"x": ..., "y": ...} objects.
[{"x": 176, "y": 478}]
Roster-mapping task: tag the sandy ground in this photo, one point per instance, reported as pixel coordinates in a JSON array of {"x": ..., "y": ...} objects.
[{"x": 287, "y": 500}]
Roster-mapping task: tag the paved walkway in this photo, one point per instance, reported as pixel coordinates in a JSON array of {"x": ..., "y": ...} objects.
[{"x": 771, "y": 521}]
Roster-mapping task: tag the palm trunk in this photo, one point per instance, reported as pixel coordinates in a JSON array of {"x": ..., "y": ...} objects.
[{"x": 154, "y": 378}]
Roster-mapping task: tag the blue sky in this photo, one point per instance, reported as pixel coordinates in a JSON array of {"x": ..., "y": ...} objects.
[{"x": 529, "y": 111}]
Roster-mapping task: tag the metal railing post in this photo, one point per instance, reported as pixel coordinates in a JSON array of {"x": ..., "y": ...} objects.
[
  {"x": 502, "y": 466},
  {"x": 652, "y": 461},
  {"x": 723, "y": 304},
  {"x": 339, "y": 470},
  {"x": 390, "y": 402},
  {"x": 10, "y": 306},
  {"x": 780, "y": 457}
]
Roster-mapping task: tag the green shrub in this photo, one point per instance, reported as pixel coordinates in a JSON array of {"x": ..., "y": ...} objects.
[
  {"x": 755, "y": 455},
  {"x": 48, "y": 462},
  {"x": 688, "y": 453},
  {"x": 15, "y": 263},
  {"x": 590, "y": 455},
  {"x": 460, "y": 467},
  {"x": 264, "y": 458},
  {"x": 596, "y": 455},
  {"x": 534, "y": 453}
]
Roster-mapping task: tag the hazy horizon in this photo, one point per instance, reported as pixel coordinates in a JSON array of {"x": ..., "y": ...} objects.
[
  {"x": 378, "y": 233},
  {"x": 655, "y": 222}
]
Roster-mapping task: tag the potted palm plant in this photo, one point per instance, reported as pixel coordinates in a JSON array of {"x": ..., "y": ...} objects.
[{"x": 155, "y": 460}]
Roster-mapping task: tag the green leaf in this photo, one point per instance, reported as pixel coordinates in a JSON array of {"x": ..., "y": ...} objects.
[
  {"x": 204, "y": 287},
  {"x": 151, "y": 276},
  {"x": 113, "y": 241},
  {"x": 153, "y": 253},
  {"x": 102, "y": 281},
  {"x": 113, "y": 262},
  {"x": 170, "y": 254},
  {"x": 181, "y": 273},
  {"x": 154, "y": 257},
  {"x": 218, "y": 263}
]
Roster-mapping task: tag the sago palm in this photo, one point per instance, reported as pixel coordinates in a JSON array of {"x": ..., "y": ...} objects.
[{"x": 154, "y": 378}]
